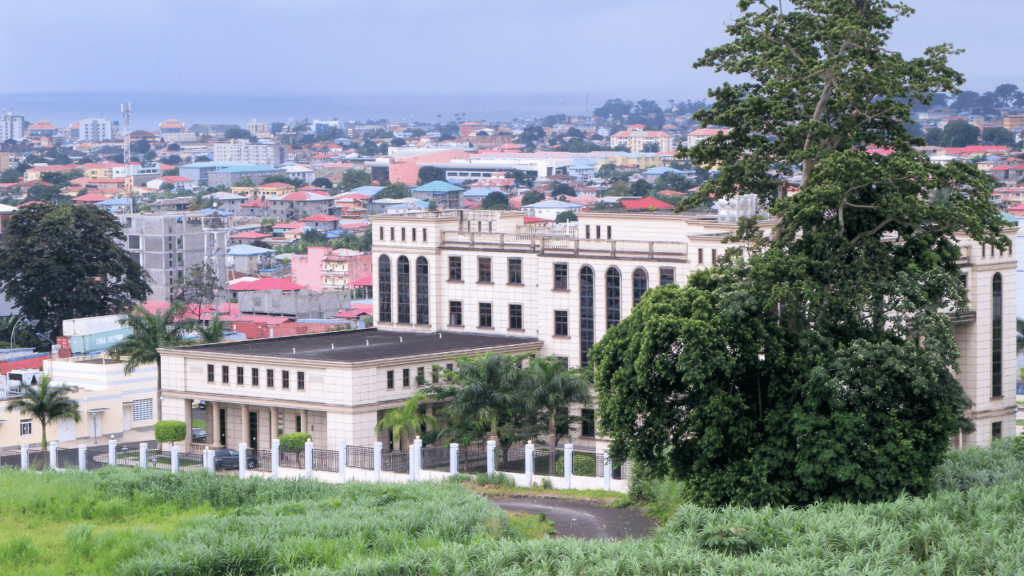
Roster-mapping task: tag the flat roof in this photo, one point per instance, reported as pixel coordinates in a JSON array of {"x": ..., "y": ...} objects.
[{"x": 362, "y": 345}]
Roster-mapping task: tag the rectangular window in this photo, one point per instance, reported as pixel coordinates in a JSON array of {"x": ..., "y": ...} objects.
[
  {"x": 405, "y": 377},
  {"x": 298, "y": 423},
  {"x": 270, "y": 378},
  {"x": 255, "y": 376},
  {"x": 515, "y": 316},
  {"x": 413, "y": 234},
  {"x": 455, "y": 268},
  {"x": 284, "y": 379},
  {"x": 455, "y": 313},
  {"x": 300, "y": 380},
  {"x": 424, "y": 234},
  {"x": 421, "y": 376},
  {"x": 484, "y": 265},
  {"x": 561, "y": 276},
  {"x": 26, "y": 427},
  {"x": 997, "y": 430},
  {"x": 392, "y": 233},
  {"x": 561, "y": 322},
  {"x": 485, "y": 315},
  {"x": 449, "y": 367},
  {"x": 403, "y": 234},
  {"x": 391, "y": 379},
  {"x": 714, "y": 256},
  {"x": 209, "y": 373},
  {"x": 381, "y": 232},
  {"x": 142, "y": 410},
  {"x": 700, "y": 255},
  {"x": 515, "y": 270},
  {"x": 240, "y": 373},
  {"x": 597, "y": 229},
  {"x": 435, "y": 375},
  {"x": 588, "y": 231},
  {"x": 587, "y": 428},
  {"x": 668, "y": 276},
  {"x": 225, "y": 373}
]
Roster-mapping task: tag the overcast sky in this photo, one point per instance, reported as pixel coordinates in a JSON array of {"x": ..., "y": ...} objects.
[{"x": 640, "y": 48}]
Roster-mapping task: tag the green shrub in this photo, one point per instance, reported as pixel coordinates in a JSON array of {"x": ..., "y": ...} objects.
[
  {"x": 80, "y": 540},
  {"x": 294, "y": 442},
  {"x": 732, "y": 540},
  {"x": 583, "y": 464},
  {"x": 170, "y": 431},
  {"x": 497, "y": 479}
]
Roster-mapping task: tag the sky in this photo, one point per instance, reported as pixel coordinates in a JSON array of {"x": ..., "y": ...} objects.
[{"x": 563, "y": 48}]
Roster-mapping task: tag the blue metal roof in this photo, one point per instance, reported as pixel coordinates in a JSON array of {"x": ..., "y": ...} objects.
[
  {"x": 247, "y": 250},
  {"x": 245, "y": 168},
  {"x": 438, "y": 187}
]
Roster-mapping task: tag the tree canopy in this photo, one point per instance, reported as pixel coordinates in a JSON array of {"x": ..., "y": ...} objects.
[
  {"x": 428, "y": 174},
  {"x": 817, "y": 363},
  {"x": 495, "y": 201},
  {"x": 353, "y": 179},
  {"x": 532, "y": 197},
  {"x": 397, "y": 191}
]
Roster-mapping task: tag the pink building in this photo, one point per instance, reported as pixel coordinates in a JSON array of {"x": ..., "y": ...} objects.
[
  {"x": 404, "y": 164},
  {"x": 322, "y": 269}
]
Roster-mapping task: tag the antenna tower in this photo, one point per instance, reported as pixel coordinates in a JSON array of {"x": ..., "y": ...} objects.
[{"x": 129, "y": 181}]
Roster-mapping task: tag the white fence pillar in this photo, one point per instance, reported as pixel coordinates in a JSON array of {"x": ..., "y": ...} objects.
[
  {"x": 82, "y": 462},
  {"x": 490, "y": 456},
  {"x": 53, "y": 455},
  {"x": 377, "y": 447},
  {"x": 567, "y": 467},
  {"x": 275, "y": 455},
  {"x": 174, "y": 458},
  {"x": 242, "y": 460},
  {"x": 529, "y": 464},
  {"x": 453, "y": 458},
  {"x": 24, "y": 456},
  {"x": 342, "y": 459},
  {"x": 418, "y": 452},
  {"x": 112, "y": 452},
  {"x": 309, "y": 459},
  {"x": 211, "y": 465},
  {"x": 607, "y": 471},
  {"x": 143, "y": 455}
]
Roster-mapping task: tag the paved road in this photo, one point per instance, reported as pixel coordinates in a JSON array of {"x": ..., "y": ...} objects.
[{"x": 585, "y": 521}]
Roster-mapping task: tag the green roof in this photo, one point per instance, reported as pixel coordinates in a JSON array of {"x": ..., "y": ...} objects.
[
  {"x": 1009, "y": 218},
  {"x": 438, "y": 187}
]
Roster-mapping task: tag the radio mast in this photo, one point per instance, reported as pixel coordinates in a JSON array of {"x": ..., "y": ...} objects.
[{"x": 129, "y": 181}]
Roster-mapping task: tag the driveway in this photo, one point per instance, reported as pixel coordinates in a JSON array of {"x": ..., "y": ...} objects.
[{"x": 584, "y": 521}]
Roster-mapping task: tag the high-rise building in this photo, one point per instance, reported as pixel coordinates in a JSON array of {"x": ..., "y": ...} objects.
[
  {"x": 12, "y": 127},
  {"x": 241, "y": 151},
  {"x": 95, "y": 130}
]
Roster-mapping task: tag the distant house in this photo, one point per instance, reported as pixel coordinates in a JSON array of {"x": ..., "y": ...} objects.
[
  {"x": 550, "y": 209},
  {"x": 702, "y": 134},
  {"x": 321, "y": 222},
  {"x": 178, "y": 182},
  {"x": 636, "y": 140},
  {"x": 446, "y": 196},
  {"x": 300, "y": 205}
]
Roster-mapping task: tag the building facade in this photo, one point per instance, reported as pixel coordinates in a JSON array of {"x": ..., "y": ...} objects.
[
  {"x": 242, "y": 151},
  {"x": 12, "y": 127},
  {"x": 95, "y": 130},
  {"x": 637, "y": 140}
]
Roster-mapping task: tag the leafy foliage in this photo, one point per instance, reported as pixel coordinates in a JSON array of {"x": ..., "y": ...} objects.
[
  {"x": 567, "y": 216},
  {"x": 353, "y": 179},
  {"x": 45, "y": 402},
  {"x": 495, "y": 201},
  {"x": 170, "y": 431},
  {"x": 406, "y": 421},
  {"x": 428, "y": 174},
  {"x": 532, "y": 197},
  {"x": 295, "y": 442}
]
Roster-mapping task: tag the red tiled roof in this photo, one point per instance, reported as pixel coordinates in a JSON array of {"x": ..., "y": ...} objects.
[
  {"x": 351, "y": 313},
  {"x": 321, "y": 218},
  {"x": 303, "y": 197},
  {"x": 265, "y": 284},
  {"x": 250, "y": 236},
  {"x": 353, "y": 195},
  {"x": 255, "y": 204},
  {"x": 174, "y": 179},
  {"x": 671, "y": 193},
  {"x": 89, "y": 198},
  {"x": 533, "y": 220},
  {"x": 275, "y": 185},
  {"x": 364, "y": 281},
  {"x": 289, "y": 225},
  {"x": 645, "y": 204}
]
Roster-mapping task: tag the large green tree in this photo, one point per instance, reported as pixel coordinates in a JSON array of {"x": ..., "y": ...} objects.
[
  {"x": 958, "y": 134},
  {"x": 45, "y": 402},
  {"x": 61, "y": 262},
  {"x": 353, "y": 179},
  {"x": 816, "y": 364}
]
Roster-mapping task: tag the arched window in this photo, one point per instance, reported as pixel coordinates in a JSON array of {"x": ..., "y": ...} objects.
[
  {"x": 422, "y": 296},
  {"x": 613, "y": 296},
  {"x": 403, "y": 290},
  {"x": 586, "y": 312},
  {"x": 384, "y": 289},
  {"x": 639, "y": 285},
  {"x": 997, "y": 335}
]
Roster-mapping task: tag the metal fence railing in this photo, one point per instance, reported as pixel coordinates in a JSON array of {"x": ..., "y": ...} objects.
[
  {"x": 325, "y": 460},
  {"x": 67, "y": 458},
  {"x": 394, "y": 461},
  {"x": 360, "y": 457},
  {"x": 435, "y": 458}
]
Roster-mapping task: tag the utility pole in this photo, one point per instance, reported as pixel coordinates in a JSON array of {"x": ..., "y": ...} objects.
[{"x": 129, "y": 181}]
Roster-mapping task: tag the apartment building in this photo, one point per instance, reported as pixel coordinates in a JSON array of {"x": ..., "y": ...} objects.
[
  {"x": 12, "y": 127},
  {"x": 5, "y": 161},
  {"x": 486, "y": 273},
  {"x": 638, "y": 140},
  {"x": 242, "y": 151},
  {"x": 166, "y": 244},
  {"x": 95, "y": 130}
]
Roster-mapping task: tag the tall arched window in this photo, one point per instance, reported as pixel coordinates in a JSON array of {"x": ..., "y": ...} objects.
[
  {"x": 384, "y": 289},
  {"x": 613, "y": 296},
  {"x": 422, "y": 296},
  {"x": 639, "y": 285},
  {"x": 586, "y": 312},
  {"x": 403, "y": 290},
  {"x": 997, "y": 335}
]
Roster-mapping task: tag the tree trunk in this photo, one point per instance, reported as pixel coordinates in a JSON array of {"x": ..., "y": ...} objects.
[
  {"x": 42, "y": 424},
  {"x": 551, "y": 444},
  {"x": 160, "y": 404}
]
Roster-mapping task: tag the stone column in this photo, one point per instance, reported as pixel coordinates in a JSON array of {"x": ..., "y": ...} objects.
[
  {"x": 188, "y": 425},
  {"x": 273, "y": 422},
  {"x": 213, "y": 413},
  {"x": 245, "y": 423}
]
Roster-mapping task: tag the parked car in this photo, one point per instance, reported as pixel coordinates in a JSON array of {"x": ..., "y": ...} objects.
[
  {"x": 201, "y": 405},
  {"x": 198, "y": 435},
  {"x": 227, "y": 459}
]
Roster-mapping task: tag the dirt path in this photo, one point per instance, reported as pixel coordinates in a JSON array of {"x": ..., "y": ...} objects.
[{"x": 584, "y": 521}]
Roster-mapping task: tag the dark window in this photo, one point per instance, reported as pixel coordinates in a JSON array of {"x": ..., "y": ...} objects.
[
  {"x": 997, "y": 335},
  {"x": 484, "y": 266},
  {"x": 225, "y": 375},
  {"x": 300, "y": 380},
  {"x": 241, "y": 375},
  {"x": 668, "y": 276},
  {"x": 588, "y": 231},
  {"x": 586, "y": 312},
  {"x": 597, "y": 229},
  {"x": 392, "y": 233},
  {"x": 455, "y": 313},
  {"x": 639, "y": 285},
  {"x": 422, "y": 294},
  {"x": 455, "y": 267},
  {"x": 381, "y": 232},
  {"x": 223, "y": 427},
  {"x": 405, "y": 378},
  {"x": 298, "y": 423},
  {"x": 403, "y": 234},
  {"x": 391, "y": 379},
  {"x": 435, "y": 375},
  {"x": 209, "y": 373},
  {"x": 485, "y": 315},
  {"x": 270, "y": 378},
  {"x": 608, "y": 236},
  {"x": 403, "y": 290},
  {"x": 284, "y": 379},
  {"x": 424, "y": 234},
  {"x": 561, "y": 276},
  {"x": 255, "y": 376},
  {"x": 587, "y": 428},
  {"x": 449, "y": 367},
  {"x": 700, "y": 255},
  {"x": 515, "y": 270},
  {"x": 997, "y": 430},
  {"x": 515, "y": 316},
  {"x": 714, "y": 256},
  {"x": 561, "y": 322},
  {"x": 613, "y": 296},
  {"x": 421, "y": 378},
  {"x": 384, "y": 281}
]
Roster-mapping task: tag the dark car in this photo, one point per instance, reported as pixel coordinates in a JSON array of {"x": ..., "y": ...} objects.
[
  {"x": 198, "y": 435},
  {"x": 227, "y": 459}
]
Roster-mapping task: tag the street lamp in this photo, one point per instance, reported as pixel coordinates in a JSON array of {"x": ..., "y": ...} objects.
[{"x": 13, "y": 328}]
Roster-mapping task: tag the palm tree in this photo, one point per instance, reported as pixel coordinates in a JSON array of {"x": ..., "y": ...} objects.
[
  {"x": 489, "y": 387},
  {"x": 1020, "y": 335},
  {"x": 46, "y": 403},
  {"x": 150, "y": 332},
  {"x": 555, "y": 387},
  {"x": 407, "y": 420},
  {"x": 212, "y": 332}
]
